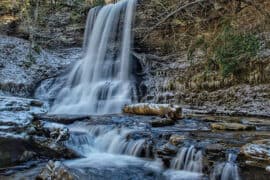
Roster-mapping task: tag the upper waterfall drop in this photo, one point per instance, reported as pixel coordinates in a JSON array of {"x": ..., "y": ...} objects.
[{"x": 101, "y": 82}]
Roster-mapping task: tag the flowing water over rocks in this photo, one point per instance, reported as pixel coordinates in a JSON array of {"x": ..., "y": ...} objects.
[{"x": 128, "y": 147}]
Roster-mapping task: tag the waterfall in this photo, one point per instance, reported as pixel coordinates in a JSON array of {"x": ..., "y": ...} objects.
[
  {"x": 101, "y": 82},
  {"x": 99, "y": 139},
  {"x": 189, "y": 159},
  {"x": 226, "y": 170}
]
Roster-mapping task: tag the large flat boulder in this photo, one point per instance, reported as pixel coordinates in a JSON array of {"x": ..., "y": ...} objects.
[
  {"x": 257, "y": 153},
  {"x": 231, "y": 126}
]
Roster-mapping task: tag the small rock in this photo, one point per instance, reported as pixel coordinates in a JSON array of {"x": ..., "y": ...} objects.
[
  {"x": 231, "y": 126},
  {"x": 167, "y": 149},
  {"x": 176, "y": 139}
]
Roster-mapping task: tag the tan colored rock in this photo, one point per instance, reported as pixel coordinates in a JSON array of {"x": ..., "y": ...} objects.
[
  {"x": 257, "y": 153},
  {"x": 56, "y": 171},
  {"x": 231, "y": 126},
  {"x": 259, "y": 150},
  {"x": 174, "y": 112},
  {"x": 176, "y": 139},
  {"x": 110, "y": 1}
]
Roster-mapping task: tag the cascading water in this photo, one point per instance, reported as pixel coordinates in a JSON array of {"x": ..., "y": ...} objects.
[
  {"x": 226, "y": 170},
  {"x": 189, "y": 159},
  {"x": 100, "y": 139},
  {"x": 100, "y": 83},
  {"x": 104, "y": 146}
]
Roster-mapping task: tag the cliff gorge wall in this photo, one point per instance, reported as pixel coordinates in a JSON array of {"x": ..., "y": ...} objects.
[{"x": 210, "y": 55}]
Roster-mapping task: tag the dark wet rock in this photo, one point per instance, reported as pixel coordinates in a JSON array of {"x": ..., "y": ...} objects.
[
  {"x": 231, "y": 126},
  {"x": 23, "y": 138},
  {"x": 162, "y": 122},
  {"x": 62, "y": 118},
  {"x": 167, "y": 149},
  {"x": 51, "y": 138},
  {"x": 214, "y": 148},
  {"x": 14, "y": 151},
  {"x": 27, "y": 155},
  {"x": 213, "y": 153},
  {"x": 250, "y": 172},
  {"x": 166, "y": 152},
  {"x": 55, "y": 170}
]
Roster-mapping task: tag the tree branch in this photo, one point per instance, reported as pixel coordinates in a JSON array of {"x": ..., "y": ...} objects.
[{"x": 171, "y": 14}]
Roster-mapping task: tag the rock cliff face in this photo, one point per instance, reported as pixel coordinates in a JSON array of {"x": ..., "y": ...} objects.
[
  {"x": 186, "y": 59},
  {"x": 22, "y": 68},
  {"x": 183, "y": 55}
]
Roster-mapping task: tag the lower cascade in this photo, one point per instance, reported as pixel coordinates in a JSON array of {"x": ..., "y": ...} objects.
[
  {"x": 189, "y": 159},
  {"x": 110, "y": 147},
  {"x": 227, "y": 170},
  {"x": 101, "y": 139},
  {"x": 101, "y": 82}
]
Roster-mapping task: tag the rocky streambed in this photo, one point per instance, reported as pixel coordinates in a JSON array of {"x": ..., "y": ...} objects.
[{"x": 125, "y": 146}]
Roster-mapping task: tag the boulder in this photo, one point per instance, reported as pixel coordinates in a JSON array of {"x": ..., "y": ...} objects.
[
  {"x": 167, "y": 149},
  {"x": 257, "y": 152},
  {"x": 231, "y": 126},
  {"x": 174, "y": 112},
  {"x": 14, "y": 151}
]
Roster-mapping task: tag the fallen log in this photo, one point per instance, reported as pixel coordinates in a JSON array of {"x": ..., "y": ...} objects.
[{"x": 148, "y": 109}]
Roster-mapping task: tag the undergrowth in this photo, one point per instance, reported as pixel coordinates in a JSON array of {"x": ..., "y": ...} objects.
[{"x": 227, "y": 51}]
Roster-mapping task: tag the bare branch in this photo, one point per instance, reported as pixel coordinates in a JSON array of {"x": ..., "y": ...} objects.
[{"x": 171, "y": 14}]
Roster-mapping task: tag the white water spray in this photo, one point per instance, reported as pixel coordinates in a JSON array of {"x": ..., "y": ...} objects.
[{"x": 100, "y": 83}]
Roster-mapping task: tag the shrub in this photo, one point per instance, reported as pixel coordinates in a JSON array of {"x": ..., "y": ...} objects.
[{"x": 232, "y": 50}]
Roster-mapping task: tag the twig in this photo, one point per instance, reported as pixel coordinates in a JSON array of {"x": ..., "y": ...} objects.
[{"x": 169, "y": 15}]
